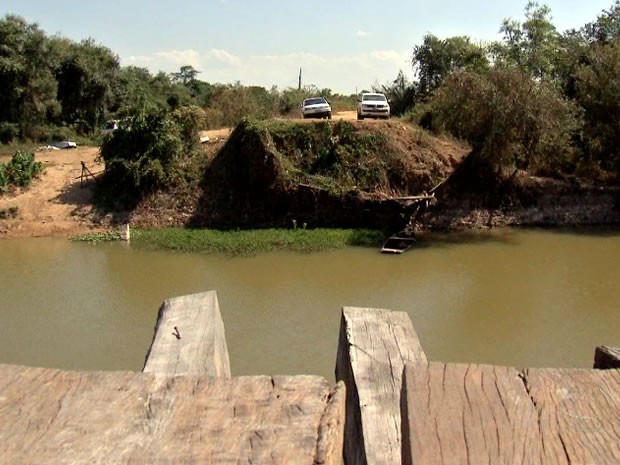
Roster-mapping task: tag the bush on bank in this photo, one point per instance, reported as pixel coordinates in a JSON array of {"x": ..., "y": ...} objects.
[
  {"x": 19, "y": 171},
  {"x": 144, "y": 154}
]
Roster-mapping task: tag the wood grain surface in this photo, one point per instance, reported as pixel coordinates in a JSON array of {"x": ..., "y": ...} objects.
[
  {"x": 62, "y": 417},
  {"x": 189, "y": 338},
  {"x": 479, "y": 414},
  {"x": 373, "y": 347}
]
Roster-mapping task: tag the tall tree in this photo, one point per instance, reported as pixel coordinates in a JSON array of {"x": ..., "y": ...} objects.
[
  {"x": 186, "y": 75},
  {"x": 607, "y": 26},
  {"x": 27, "y": 84},
  {"x": 530, "y": 45},
  {"x": 85, "y": 75},
  {"x": 598, "y": 93},
  {"x": 437, "y": 58}
]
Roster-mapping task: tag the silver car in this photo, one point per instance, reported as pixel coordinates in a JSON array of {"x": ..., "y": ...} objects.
[{"x": 316, "y": 107}]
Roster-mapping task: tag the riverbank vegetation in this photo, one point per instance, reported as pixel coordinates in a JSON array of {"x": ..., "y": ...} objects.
[
  {"x": 242, "y": 242},
  {"x": 536, "y": 114},
  {"x": 252, "y": 242},
  {"x": 540, "y": 100}
]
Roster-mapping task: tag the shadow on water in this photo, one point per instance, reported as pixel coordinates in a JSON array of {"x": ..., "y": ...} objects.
[
  {"x": 453, "y": 239},
  {"x": 507, "y": 236},
  {"x": 601, "y": 231}
]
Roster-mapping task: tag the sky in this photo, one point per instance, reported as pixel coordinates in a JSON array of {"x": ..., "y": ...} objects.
[{"x": 343, "y": 45}]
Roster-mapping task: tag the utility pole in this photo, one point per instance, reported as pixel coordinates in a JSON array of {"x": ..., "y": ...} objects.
[{"x": 299, "y": 84}]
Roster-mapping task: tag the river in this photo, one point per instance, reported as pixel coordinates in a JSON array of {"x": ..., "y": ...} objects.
[{"x": 519, "y": 298}]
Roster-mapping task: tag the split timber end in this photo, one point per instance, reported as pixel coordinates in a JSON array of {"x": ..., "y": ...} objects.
[
  {"x": 606, "y": 357},
  {"x": 374, "y": 346},
  {"x": 189, "y": 338}
]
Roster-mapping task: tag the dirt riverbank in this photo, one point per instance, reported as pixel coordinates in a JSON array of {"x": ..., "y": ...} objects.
[{"x": 60, "y": 202}]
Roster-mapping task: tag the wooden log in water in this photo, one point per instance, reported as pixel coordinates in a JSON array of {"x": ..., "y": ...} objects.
[
  {"x": 189, "y": 338},
  {"x": 113, "y": 418},
  {"x": 473, "y": 414},
  {"x": 606, "y": 357},
  {"x": 373, "y": 347}
]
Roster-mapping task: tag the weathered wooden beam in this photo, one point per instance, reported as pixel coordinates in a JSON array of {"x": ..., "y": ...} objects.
[
  {"x": 606, "y": 357},
  {"x": 467, "y": 414},
  {"x": 373, "y": 347},
  {"x": 331, "y": 430},
  {"x": 473, "y": 414},
  {"x": 189, "y": 338},
  {"x": 119, "y": 418}
]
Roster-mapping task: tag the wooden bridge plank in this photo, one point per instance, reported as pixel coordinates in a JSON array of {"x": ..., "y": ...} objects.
[
  {"x": 472, "y": 414},
  {"x": 373, "y": 348},
  {"x": 118, "y": 418},
  {"x": 579, "y": 414},
  {"x": 606, "y": 357},
  {"x": 189, "y": 338},
  {"x": 457, "y": 414}
]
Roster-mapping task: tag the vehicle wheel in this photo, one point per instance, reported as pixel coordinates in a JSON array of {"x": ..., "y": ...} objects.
[
  {"x": 360, "y": 117},
  {"x": 329, "y": 116}
]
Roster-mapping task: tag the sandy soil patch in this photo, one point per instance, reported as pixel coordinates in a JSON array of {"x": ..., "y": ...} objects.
[{"x": 55, "y": 204}]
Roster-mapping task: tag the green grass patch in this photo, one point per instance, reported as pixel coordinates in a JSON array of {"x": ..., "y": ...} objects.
[
  {"x": 252, "y": 242},
  {"x": 97, "y": 237},
  {"x": 335, "y": 156},
  {"x": 19, "y": 171}
]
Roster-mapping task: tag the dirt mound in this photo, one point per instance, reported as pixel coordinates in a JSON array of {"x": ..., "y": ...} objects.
[{"x": 326, "y": 173}]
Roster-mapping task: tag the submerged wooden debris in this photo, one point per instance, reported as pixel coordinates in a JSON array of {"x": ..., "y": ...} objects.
[{"x": 397, "y": 244}]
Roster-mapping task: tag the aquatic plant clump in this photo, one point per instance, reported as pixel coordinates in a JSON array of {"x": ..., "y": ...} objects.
[{"x": 252, "y": 242}]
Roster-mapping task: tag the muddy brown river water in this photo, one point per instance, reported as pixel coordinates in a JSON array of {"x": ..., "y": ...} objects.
[{"x": 520, "y": 298}]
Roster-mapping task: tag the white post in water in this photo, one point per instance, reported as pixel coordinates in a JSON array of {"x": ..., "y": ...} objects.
[{"x": 125, "y": 234}]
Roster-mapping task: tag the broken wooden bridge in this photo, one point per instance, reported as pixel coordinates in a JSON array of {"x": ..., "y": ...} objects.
[{"x": 390, "y": 405}]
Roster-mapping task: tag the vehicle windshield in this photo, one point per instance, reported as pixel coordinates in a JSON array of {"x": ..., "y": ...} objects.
[
  {"x": 314, "y": 101},
  {"x": 374, "y": 98}
]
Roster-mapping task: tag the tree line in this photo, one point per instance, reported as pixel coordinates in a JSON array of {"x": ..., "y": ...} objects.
[
  {"x": 539, "y": 99},
  {"x": 53, "y": 88}
]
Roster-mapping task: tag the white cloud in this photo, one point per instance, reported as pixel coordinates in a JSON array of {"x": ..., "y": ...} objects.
[
  {"x": 180, "y": 58},
  {"x": 341, "y": 73},
  {"x": 361, "y": 34},
  {"x": 223, "y": 56}
]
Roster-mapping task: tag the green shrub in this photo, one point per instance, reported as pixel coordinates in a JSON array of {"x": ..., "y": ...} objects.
[
  {"x": 142, "y": 155},
  {"x": 19, "y": 171},
  {"x": 330, "y": 155},
  {"x": 598, "y": 92},
  {"x": 4, "y": 182},
  {"x": 510, "y": 119}
]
